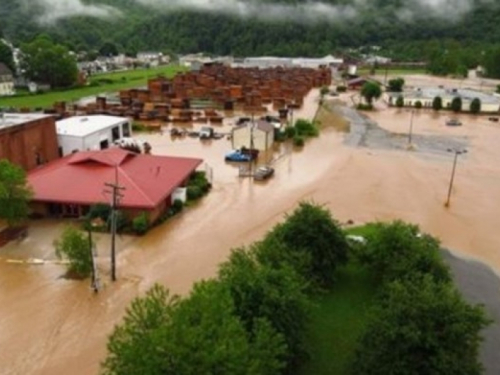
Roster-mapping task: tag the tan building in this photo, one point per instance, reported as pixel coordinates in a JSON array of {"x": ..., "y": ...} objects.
[
  {"x": 6, "y": 80},
  {"x": 258, "y": 136},
  {"x": 28, "y": 139}
]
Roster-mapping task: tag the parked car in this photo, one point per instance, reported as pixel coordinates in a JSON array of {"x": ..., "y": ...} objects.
[
  {"x": 453, "y": 122},
  {"x": 206, "y": 132},
  {"x": 263, "y": 173},
  {"x": 238, "y": 155}
]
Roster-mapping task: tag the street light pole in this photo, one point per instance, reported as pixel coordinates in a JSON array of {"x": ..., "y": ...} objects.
[
  {"x": 410, "y": 132},
  {"x": 457, "y": 152}
]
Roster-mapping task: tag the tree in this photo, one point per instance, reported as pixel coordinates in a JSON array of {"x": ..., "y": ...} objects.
[
  {"x": 475, "y": 106},
  {"x": 370, "y": 91},
  {"x": 396, "y": 84},
  {"x": 398, "y": 251},
  {"x": 456, "y": 104},
  {"x": 311, "y": 241},
  {"x": 7, "y": 57},
  {"x": 421, "y": 327},
  {"x": 75, "y": 247},
  {"x": 277, "y": 295},
  {"x": 46, "y": 62},
  {"x": 161, "y": 334},
  {"x": 418, "y": 104},
  {"x": 491, "y": 64},
  {"x": 14, "y": 193},
  {"x": 108, "y": 49},
  {"x": 400, "y": 102},
  {"x": 437, "y": 103}
]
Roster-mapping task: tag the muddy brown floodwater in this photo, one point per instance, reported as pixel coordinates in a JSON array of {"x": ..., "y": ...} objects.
[{"x": 50, "y": 325}]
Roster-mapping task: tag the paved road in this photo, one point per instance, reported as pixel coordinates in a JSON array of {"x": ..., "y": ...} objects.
[{"x": 480, "y": 285}]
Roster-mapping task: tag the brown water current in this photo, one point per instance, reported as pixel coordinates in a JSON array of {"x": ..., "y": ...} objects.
[{"x": 51, "y": 325}]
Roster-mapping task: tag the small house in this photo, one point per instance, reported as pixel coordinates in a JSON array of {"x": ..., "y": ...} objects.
[
  {"x": 258, "y": 135},
  {"x": 90, "y": 133},
  {"x": 6, "y": 80}
]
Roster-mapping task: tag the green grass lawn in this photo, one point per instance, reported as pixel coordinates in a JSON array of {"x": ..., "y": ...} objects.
[
  {"x": 361, "y": 230},
  {"x": 338, "y": 321},
  {"x": 120, "y": 81}
]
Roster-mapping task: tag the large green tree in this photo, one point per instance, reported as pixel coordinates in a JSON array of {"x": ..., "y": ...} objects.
[
  {"x": 475, "y": 106},
  {"x": 277, "y": 295},
  {"x": 311, "y": 241},
  {"x": 200, "y": 334},
  {"x": 14, "y": 193},
  {"x": 6, "y": 56},
  {"x": 370, "y": 91},
  {"x": 396, "y": 84},
  {"x": 47, "y": 62},
  {"x": 421, "y": 327}
]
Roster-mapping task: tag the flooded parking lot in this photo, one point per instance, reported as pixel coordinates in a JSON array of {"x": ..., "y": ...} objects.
[{"x": 51, "y": 325}]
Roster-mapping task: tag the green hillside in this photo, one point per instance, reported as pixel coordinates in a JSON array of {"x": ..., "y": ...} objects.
[{"x": 275, "y": 27}]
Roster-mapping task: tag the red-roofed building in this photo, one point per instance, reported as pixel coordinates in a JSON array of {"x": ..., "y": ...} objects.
[{"x": 69, "y": 186}]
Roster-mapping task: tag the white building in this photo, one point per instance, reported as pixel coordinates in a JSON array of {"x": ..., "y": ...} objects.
[
  {"x": 287, "y": 62},
  {"x": 489, "y": 103},
  {"x": 6, "y": 81},
  {"x": 259, "y": 136},
  {"x": 86, "y": 133}
]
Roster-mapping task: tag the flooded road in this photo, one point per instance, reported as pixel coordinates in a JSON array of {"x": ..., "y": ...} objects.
[{"x": 50, "y": 325}]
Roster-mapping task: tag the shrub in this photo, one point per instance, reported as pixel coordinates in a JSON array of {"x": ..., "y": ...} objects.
[
  {"x": 74, "y": 246},
  {"x": 290, "y": 132},
  {"x": 418, "y": 104},
  {"x": 140, "y": 224},
  {"x": 177, "y": 206},
  {"x": 475, "y": 106},
  {"x": 437, "y": 103},
  {"x": 341, "y": 89},
  {"x": 298, "y": 141},
  {"x": 456, "y": 104},
  {"x": 400, "y": 102},
  {"x": 138, "y": 127},
  {"x": 305, "y": 128},
  {"x": 99, "y": 210},
  {"x": 364, "y": 107},
  {"x": 194, "y": 193}
]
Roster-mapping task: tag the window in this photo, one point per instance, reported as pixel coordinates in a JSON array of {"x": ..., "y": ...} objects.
[
  {"x": 126, "y": 129},
  {"x": 115, "y": 133}
]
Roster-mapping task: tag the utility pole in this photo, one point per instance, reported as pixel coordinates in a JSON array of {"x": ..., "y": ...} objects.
[
  {"x": 115, "y": 191},
  {"x": 410, "y": 132},
  {"x": 251, "y": 144},
  {"x": 457, "y": 152},
  {"x": 94, "y": 283}
]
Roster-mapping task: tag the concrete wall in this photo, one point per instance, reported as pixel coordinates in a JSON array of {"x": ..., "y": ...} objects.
[
  {"x": 91, "y": 142},
  {"x": 30, "y": 144},
  {"x": 262, "y": 141}
]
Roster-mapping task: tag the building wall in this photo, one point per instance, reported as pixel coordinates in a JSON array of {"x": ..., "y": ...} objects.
[
  {"x": 91, "y": 142},
  {"x": 30, "y": 144},
  {"x": 261, "y": 140},
  {"x": 427, "y": 103},
  {"x": 6, "y": 88}
]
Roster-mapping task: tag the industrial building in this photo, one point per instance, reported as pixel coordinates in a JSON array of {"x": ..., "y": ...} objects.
[
  {"x": 95, "y": 132},
  {"x": 28, "y": 139},
  {"x": 489, "y": 103}
]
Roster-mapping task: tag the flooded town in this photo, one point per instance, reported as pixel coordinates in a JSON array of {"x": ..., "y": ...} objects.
[{"x": 392, "y": 163}]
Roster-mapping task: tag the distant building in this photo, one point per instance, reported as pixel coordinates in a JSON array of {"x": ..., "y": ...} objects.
[
  {"x": 152, "y": 58},
  {"x": 68, "y": 187},
  {"x": 28, "y": 139},
  {"x": 489, "y": 103},
  {"x": 6, "y": 80},
  {"x": 259, "y": 136},
  {"x": 288, "y": 62},
  {"x": 86, "y": 133}
]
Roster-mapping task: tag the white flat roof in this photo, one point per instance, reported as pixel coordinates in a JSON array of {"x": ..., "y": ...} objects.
[
  {"x": 13, "y": 119},
  {"x": 81, "y": 126}
]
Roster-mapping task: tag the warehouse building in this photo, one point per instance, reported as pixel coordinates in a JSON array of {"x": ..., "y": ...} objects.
[{"x": 90, "y": 133}]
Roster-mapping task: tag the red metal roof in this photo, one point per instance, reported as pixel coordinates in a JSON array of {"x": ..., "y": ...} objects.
[{"x": 80, "y": 178}]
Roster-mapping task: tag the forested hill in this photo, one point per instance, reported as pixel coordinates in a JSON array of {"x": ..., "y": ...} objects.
[{"x": 275, "y": 27}]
